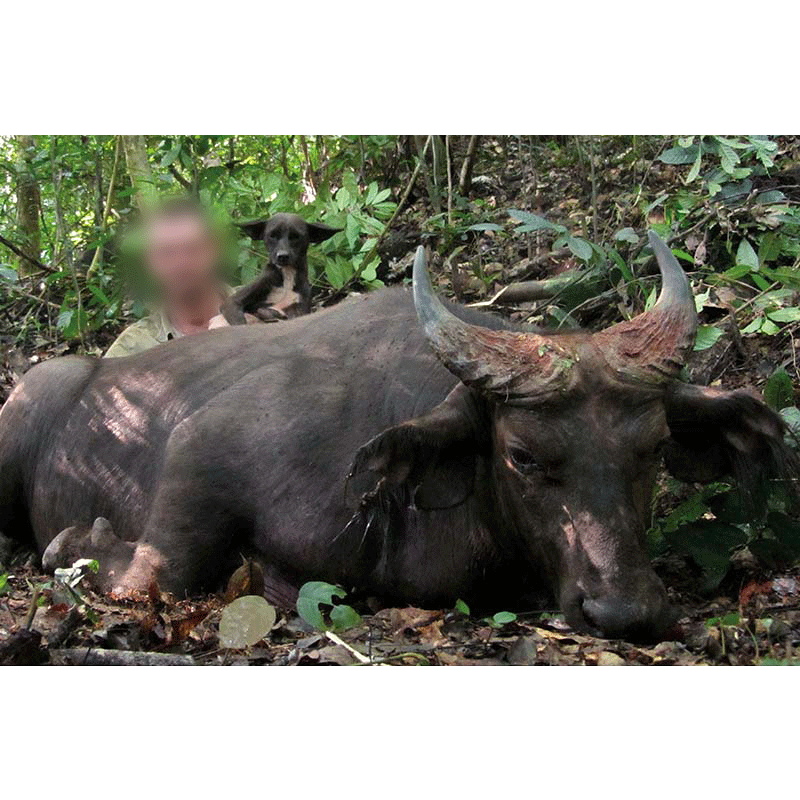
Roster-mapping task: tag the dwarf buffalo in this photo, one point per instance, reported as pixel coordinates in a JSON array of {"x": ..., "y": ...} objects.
[{"x": 339, "y": 447}]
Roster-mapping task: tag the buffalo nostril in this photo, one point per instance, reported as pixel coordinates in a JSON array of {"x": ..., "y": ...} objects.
[
  {"x": 624, "y": 618},
  {"x": 589, "y": 609}
]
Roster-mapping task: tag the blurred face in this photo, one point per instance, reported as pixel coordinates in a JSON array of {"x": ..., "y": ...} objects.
[{"x": 183, "y": 257}]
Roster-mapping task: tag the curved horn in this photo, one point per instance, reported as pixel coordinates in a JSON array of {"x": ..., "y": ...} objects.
[
  {"x": 655, "y": 344},
  {"x": 500, "y": 361}
]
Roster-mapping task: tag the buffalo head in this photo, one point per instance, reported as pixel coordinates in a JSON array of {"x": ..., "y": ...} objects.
[{"x": 558, "y": 439}]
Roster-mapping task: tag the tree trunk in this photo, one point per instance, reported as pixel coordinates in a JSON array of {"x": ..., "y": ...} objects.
[
  {"x": 28, "y": 204},
  {"x": 60, "y": 251},
  {"x": 465, "y": 179},
  {"x": 99, "y": 212},
  {"x": 141, "y": 175}
]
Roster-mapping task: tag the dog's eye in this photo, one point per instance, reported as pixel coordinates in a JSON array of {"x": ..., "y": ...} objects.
[
  {"x": 293, "y": 237},
  {"x": 523, "y": 460},
  {"x": 275, "y": 235}
]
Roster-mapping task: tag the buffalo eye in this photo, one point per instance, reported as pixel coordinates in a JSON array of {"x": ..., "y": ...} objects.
[{"x": 523, "y": 461}]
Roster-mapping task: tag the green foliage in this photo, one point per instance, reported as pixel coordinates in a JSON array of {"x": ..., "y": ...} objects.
[
  {"x": 707, "y": 336},
  {"x": 462, "y": 607},
  {"x": 4, "y": 587},
  {"x": 580, "y": 248},
  {"x": 726, "y": 159},
  {"x": 317, "y": 604},
  {"x": 500, "y": 619},
  {"x": 727, "y": 621},
  {"x": 778, "y": 390},
  {"x": 65, "y": 588},
  {"x": 337, "y": 180},
  {"x": 717, "y": 521}
]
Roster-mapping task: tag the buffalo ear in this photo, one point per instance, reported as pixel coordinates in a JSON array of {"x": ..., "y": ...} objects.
[
  {"x": 254, "y": 228},
  {"x": 318, "y": 232},
  {"x": 716, "y": 433},
  {"x": 429, "y": 459}
]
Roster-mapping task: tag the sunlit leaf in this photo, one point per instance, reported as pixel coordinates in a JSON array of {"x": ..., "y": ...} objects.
[
  {"x": 746, "y": 256},
  {"x": 580, "y": 247},
  {"x": 344, "y": 617},
  {"x": 627, "y": 235},
  {"x": 707, "y": 336},
  {"x": 785, "y": 314},
  {"x": 245, "y": 622},
  {"x": 462, "y": 607}
]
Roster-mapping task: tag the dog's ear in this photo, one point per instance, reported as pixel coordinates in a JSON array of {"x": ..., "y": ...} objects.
[
  {"x": 318, "y": 232},
  {"x": 254, "y": 228}
]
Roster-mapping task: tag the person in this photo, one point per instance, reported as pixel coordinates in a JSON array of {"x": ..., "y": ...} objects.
[{"x": 182, "y": 255}]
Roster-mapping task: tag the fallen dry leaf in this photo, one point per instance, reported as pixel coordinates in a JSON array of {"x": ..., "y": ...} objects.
[{"x": 247, "y": 579}]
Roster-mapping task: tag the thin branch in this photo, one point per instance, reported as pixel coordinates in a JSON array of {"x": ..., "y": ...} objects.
[
  {"x": 14, "y": 288},
  {"x": 449, "y": 181},
  {"x": 465, "y": 178},
  {"x": 178, "y": 177},
  {"x": 106, "y": 210},
  {"x": 19, "y": 252}
]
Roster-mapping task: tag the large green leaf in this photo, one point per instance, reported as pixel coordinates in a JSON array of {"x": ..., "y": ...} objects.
[
  {"x": 746, "y": 256},
  {"x": 534, "y": 222},
  {"x": 315, "y": 594},
  {"x": 707, "y": 336},
  {"x": 778, "y": 390},
  {"x": 710, "y": 544},
  {"x": 680, "y": 155},
  {"x": 580, "y": 247}
]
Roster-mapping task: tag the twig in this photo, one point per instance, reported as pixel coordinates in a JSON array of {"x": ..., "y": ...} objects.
[
  {"x": 18, "y": 252},
  {"x": 37, "y": 591},
  {"x": 30, "y": 296},
  {"x": 106, "y": 210},
  {"x": 336, "y": 640},
  {"x": 449, "y": 181},
  {"x": 430, "y": 178},
  {"x": 181, "y": 180},
  {"x": 594, "y": 188},
  {"x": 756, "y": 297},
  {"x": 647, "y": 171}
]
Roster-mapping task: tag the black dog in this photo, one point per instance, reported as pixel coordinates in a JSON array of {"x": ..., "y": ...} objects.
[{"x": 283, "y": 291}]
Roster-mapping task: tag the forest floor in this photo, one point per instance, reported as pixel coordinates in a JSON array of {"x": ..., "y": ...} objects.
[
  {"x": 752, "y": 618},
  {"x": 757, "y": 625}
]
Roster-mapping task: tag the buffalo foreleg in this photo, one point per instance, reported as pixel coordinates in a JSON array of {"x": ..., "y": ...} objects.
[{"x": 98, "y": 542}]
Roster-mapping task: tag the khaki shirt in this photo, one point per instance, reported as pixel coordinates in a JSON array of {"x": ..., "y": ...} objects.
[{"x": 148, "y": 332}]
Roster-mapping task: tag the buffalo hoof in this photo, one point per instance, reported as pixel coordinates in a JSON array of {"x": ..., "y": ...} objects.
[{"x": 98, "y": 542}]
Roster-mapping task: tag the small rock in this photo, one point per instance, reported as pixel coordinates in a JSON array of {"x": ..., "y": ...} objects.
[{"x": 524, "y": 651}]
